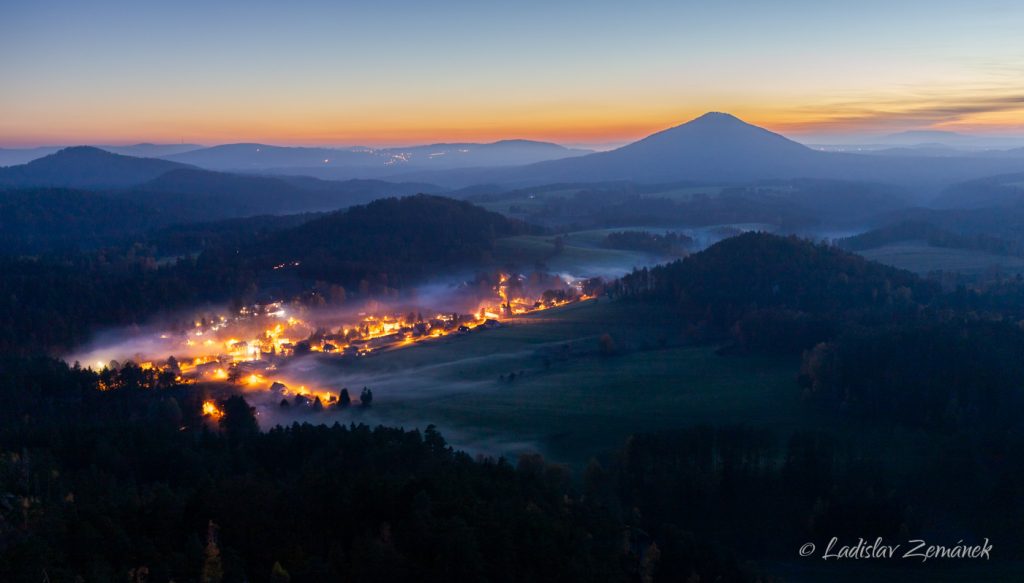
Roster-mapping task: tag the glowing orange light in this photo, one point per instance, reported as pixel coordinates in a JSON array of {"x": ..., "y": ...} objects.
[{"x": 210, "y": 409}]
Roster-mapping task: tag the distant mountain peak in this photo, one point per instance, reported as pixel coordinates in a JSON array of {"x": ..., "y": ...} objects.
[
  {"x": 79, "y": 151},
  {"x": 716, "y": 146},
  {"x": 75, "y": 155},
  {"x": 85, "y": 167},
  {"x": 716, "y": 117},
  {"x": 523, "y": 142},
  {"x": 717, "y": 131},
  {"x": 719, "y": 122}
]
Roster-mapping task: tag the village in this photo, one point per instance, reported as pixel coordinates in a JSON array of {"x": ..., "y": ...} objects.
[{"x": 248, "y": 349}]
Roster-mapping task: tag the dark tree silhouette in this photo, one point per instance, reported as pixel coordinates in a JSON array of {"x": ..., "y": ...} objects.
[{"x": 239, "y": 419}]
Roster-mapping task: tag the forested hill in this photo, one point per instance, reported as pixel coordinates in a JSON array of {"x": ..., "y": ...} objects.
[
  {"x": 778, "y": 293},
  {"x": 86, "y": 198},
  {"x": 758, "y": 270},
  {"x": 385, "y": 245},
  {"x": 85, "y": 167},
  {"x": 875, "y": 340},
  {"x": 401, "y": 239},
  {"x": 47, "y": 219}
]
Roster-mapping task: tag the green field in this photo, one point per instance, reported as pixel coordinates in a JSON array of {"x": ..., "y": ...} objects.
[
  {"x": 578, "y": 403},
  {"x": 581, "y": 253},
  {"x": 596, "y": 237},
  {"x": 524, "y": 200},
  {"x": 922, "y": 258},
  {"x": 584, "y": 253},
  {"x": 532, "y": 202},
  {"x": 684, "y": 194}
]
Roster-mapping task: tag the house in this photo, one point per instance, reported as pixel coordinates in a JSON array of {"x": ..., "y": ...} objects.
[{"x": 382, "y": 341}]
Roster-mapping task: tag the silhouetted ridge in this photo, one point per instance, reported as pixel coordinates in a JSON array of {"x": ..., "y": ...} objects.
[
  {"x": 712, "y": 147},
  {"x": 404, "y": 238},
  {"x": 716, "y": 135},
  {"x": 86, "y": 167},
  {"x": 719, "y": 148},
  {"x": 757, "y": 271}
]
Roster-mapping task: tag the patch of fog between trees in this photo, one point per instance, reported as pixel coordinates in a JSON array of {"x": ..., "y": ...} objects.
[
  {"x": 452, "y": 293},
  {"x": 462, "y": 294},
  {"x": 476, "y": 441},
  {"x": 139, "y": 343},
  {"x": 398, "y": 393},
  {"x": 707, "y": 236},
  {"x": 143, "y": 342},
  {"x": 414, "y": 383},
  {"x": 399, "y": 397}
]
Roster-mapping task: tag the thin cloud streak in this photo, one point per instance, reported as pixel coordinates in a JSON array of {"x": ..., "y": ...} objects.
[{"x": 923, "y": 112}]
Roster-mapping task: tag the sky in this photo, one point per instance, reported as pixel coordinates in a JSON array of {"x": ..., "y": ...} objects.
[{"x": 579, "y": 72}]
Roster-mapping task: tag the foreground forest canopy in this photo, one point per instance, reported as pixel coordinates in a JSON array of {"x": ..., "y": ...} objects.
[{"x": 135, "y": 482}]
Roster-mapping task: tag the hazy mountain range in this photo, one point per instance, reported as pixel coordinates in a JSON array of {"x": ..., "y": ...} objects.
[
  {"x": 370, "y": 162},
  {"x": 714, "y": 148},
  {"x": 720, "y": 148},
  {"x": 87, "y": 196},
  {"x": 928, "y": 143},
  {"x": 85, "y": 167},
  {"x": 16, "y": 156},
  {"x": 355, "y": 162}
]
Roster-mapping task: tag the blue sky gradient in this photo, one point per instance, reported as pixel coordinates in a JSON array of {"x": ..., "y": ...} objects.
[{"x": 390, "y": 72}]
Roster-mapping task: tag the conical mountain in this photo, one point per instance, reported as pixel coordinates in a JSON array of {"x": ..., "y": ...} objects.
[{"x": 712, "y": 147}]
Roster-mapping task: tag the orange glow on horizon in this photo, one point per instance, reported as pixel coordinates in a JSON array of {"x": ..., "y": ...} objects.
[
  {"x": 563, "y": 129},
  {"x": 585, "y": 126}
]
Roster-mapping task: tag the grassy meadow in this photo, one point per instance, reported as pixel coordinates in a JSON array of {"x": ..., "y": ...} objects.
[
  {"x": 922, "y": 258},
  {"x": 568, "y": 399}
]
